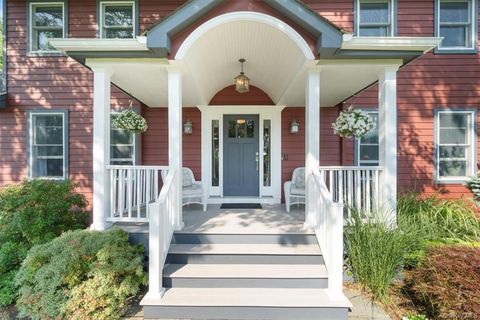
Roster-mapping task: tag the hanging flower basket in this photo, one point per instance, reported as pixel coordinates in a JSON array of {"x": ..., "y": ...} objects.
[
  {"x": 130, "y": 121},
  {"x": 353, "y": 123}
]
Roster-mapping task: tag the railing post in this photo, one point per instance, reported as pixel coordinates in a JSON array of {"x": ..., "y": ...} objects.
[
  {"x": 335, "y": 246},
  {"x": 155, "y": 248}
]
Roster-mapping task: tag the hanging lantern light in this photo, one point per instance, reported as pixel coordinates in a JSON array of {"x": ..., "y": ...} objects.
[{"x": 242, "y": 82}]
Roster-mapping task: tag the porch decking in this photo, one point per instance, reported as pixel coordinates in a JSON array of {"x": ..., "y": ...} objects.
[{"x": 271, "y": 219}]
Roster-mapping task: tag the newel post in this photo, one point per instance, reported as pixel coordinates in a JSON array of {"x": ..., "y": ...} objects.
[
  {"x": 175, "y": 137},
  {"x": 101, "y": 147},
  {"x": 312, "y": 141},
  {"x": 387, "y": 96}
]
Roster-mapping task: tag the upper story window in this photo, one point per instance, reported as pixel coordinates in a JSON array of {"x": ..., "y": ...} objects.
[
  {"x": 48, "y": 146},
  {"x": 456, "y": 23},
  {"x": 455, "y": 145},
  {"x": 117, "y": 19},
  {"x": 122, "y": 147},
  {"x": 47, "y": 20},
  {"x": 375, "y": 18},
  {"x": 367, "y": 147}
]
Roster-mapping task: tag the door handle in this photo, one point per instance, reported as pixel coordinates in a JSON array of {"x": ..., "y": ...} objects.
[{"x": 256, "y": 159}]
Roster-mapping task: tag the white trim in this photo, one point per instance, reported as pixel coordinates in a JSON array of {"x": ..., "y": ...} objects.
[
  {"x": 101, "y": 22},
  {"x": 472, "y": 23},
  {"x": 31, "y": 134},
  {"x": 245, "y": 16},
  {"x": 391, "y": 12},
  {"x": 79, "y": 44},
  {"x": 272, "y": 113},
  {"x": 424, "y": 44},
  {"x": 471, "y": 159},
  {"x": 31, "y": 26}
]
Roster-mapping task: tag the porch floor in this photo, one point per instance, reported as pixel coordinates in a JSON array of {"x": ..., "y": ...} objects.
[{"x": 271, "y": 219}]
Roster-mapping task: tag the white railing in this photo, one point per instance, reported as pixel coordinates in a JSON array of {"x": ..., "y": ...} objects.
[
  {"x": 164, "y": 218},
  {"x": 328, "y": 226},
  {"x": 132, "y": 188},
  {"x": 355, "y": 187}
]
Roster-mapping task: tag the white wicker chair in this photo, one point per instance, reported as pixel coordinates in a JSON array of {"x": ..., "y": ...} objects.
[
  {"x": 295, "y": 189},
  {"x": 192, "y": 191}
]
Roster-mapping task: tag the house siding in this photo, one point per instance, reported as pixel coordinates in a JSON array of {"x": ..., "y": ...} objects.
[{"x": 39, "y": 83}]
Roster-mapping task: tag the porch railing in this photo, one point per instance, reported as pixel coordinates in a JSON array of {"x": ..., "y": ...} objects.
[
  {"x": 328, "y": 226},
  {"x": 132, "y": 188},
  {"x": 355, "y": 187},
  {"x": 164, "y": 218}
]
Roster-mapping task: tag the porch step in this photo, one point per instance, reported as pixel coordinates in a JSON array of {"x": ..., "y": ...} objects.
[
  {"x": 245, "y": 276},
  {"x": 225, "y": 238},
  {"x": 246, "y": 303},
  {"x": 244, "y": 253}
]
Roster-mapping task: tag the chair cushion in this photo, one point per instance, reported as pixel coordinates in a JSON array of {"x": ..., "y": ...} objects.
[
  {"x": 300, "y": 179},
  {"x": 192, "y": 190},
  {"x": 187, "y": 179},
  {"x": 294, "y": 190}
]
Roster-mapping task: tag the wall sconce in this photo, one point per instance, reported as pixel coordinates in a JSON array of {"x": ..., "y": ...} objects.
[
  {"x": 294, "y": 126},
  {"x": 188, "y": 127}
]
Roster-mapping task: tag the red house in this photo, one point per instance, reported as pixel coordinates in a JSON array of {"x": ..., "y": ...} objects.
[{"x": 413, "y": 66}]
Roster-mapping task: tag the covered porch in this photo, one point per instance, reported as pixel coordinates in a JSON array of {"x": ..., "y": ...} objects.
[{"x": 321, "y": 69}]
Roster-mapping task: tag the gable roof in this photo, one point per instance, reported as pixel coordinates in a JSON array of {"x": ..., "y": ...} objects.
[{"x": 329, "y": 37}]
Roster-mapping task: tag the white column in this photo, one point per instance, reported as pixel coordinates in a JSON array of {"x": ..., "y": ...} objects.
[
  {"x": 101, "y": 147},
  {"x": 387, "y": 102},
  {"x": 175, "y": 134},
  {"x": 312, "y": 141}
]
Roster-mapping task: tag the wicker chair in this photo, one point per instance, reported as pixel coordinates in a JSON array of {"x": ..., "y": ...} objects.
[
  {"x": 295, "y": 189},
  {"x": 192, "y": 191}
]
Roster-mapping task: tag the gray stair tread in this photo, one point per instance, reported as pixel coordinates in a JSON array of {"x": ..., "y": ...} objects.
[
  {"x": 251, "y": 271},
  {"x": 248, "y": 297},
  {"x": 254, "y": 249}
]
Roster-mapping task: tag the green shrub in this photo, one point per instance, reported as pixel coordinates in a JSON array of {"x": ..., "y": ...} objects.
[
  {"x": 438, "y": 219},
  {"x": 447, "y": 281},
  {"x": 31, "y": 213},
  {"x": 80, "y": 275},
  {"x": 375, "y": 252}
]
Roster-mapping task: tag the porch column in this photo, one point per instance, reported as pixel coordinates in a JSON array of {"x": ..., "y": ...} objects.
[
  {"x": 101, "y": 147},
  {"x": 312, "y": 141},
  {"x": 387, "y": 103},
  {"x": 175, "y": 135}
]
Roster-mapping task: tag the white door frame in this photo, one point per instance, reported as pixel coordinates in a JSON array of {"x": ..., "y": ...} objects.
[{"x": 268, "y": 112}]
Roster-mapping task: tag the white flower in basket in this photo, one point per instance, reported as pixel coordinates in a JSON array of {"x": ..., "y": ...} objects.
[
  {"x": 353, "y": 123},
  {"x": 130, "y": 121}
]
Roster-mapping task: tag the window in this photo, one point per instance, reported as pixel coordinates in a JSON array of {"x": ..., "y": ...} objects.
[
  {"x": 455, "y": 145},
  {"x": 122, "y": 147},
  {"x": 47, "y": 20},
  {"x": 367, "y": 147},
  {"x": 374, "y": 18},
  {"x": 215, "y": 153},
  {"x": 48, "y": 146},
  {"x": 117, "y": 19},
  {"x": 456, "y": 23}
]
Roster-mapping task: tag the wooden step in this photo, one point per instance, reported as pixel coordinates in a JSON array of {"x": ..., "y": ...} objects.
[
  {"x": 245, "y": 276},
  {"x": 246, "y": 303}
]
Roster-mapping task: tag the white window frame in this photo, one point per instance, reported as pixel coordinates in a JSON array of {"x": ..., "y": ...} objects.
[
  {"x": 104, "y": 4},
  {"x": 358, "y": 144},
  {"x": 391, "y": 10},
  {"x": 472, "y": 22},
  {"x": 471, "y": 146},
  {"x": 31, "y": 9},
  {"x": 31, "y": 133},
  {"x": 134, "y": 144}
]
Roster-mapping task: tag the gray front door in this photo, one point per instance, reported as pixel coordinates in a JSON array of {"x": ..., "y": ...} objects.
[{"x": 240, "y": 155}]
